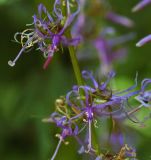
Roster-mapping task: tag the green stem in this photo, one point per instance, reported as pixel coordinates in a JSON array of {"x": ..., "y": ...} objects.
[
  {"x": 73, "y": 57},
  {"x": 110, "y": 124},
  {"x": 75, "y": 65}
]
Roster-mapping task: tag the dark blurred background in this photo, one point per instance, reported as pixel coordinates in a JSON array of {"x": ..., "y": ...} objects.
[{"x": 27, "y": 92}]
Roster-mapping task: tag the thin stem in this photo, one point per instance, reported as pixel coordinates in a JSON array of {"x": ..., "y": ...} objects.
[
  {"x": 57, "y": 149},
  {"x": 74, "y": 61},
  {"x": 110, "y": 123},
  {"x": 75, "y": 65}
]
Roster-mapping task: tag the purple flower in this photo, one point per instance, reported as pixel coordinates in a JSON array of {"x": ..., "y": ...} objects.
[
  {"x": 68, "y": 129},
  {"x": 124, "y": 21},
  {"x": 108, "y": 51},
  {"x": 141, "y": 5},
  {"x": 66, "y": 125},
  {"x": 117, "y": 137},
  {"x": 144, "y": 41},
  {"x": 80, "y": 22},
  {"x": 48, "y": 31},
  {"x": 98, "y": 101},
  {"x": 84, "y": 105},
  {"x": 103, "y": 87},
  {"x": 86, "y": 110}
]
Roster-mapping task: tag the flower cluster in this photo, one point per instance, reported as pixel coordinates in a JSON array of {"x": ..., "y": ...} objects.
[
  {"x": 48, "y": 31},
  {"x": 79, "y": 113},
  {"x": 85, "y": 105}
]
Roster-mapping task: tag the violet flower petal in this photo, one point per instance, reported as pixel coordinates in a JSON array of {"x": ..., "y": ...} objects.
[
  {"x": 41, "y": 8},
  {"x": 111, "y": 75},
  {"x": 88, "y": 75},
  {"x": 130, "y": 88},
  {"x": 122, "y": 20},
  {"x": 57, "y": 9},
  {"x": 144, "y": 84},
  {"x": 70, "y": 18},
  {"x": 144, "y": 41},
  {"x": 141, "y": 5}
]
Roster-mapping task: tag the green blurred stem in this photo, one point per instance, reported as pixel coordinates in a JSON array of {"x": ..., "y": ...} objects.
[
  {"x": 110, "y": 124},
  {"x": 75, "y": 65}
]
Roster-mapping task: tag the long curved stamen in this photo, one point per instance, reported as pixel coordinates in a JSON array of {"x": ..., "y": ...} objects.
[
  {"x": 15, "y": 36},
  {"x": 57, "y": 10},
  {"x": 128, "y": 114},
  {"x": 130, "y": 88},
  {"x": 144, "y": 84},
  {"x": 57, "y": 149},
  {"x": 69, "y": 101},
  {"x": 12, "y": 63}
]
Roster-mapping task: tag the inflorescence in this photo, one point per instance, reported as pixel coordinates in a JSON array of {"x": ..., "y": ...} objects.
[
  {"x": 48, "y": 31},
  {"x": 79, "y": 113},
  {"x": 81, "y": 109}
]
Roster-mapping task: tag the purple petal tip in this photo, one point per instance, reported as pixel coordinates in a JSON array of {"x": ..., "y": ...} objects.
[{"x": 144, "y": 41}]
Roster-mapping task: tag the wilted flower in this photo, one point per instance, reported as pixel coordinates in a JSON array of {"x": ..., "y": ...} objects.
[
  {"x": 141, "y": 5},
  {"x": 48, "y": 31}
]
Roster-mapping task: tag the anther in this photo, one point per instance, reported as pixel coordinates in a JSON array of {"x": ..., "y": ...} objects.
[{"x": 11, "y": 63}]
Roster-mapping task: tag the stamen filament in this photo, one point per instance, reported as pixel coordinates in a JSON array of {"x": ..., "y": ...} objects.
[
  {"x": 135, "y": 109},
  {"x": 90, "y": 137},
  {"x": 57, "y": 149},
  {"x": 12, "y": 63}
]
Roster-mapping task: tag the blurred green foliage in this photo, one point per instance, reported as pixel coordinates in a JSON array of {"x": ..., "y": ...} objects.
[{"x": 27, "y": 92}]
